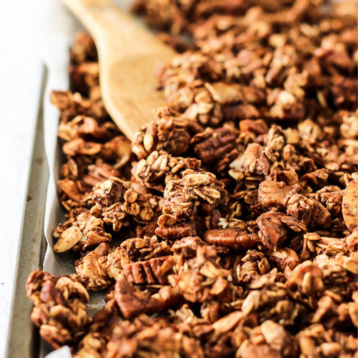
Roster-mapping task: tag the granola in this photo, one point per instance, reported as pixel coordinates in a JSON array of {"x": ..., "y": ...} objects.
[{"x": 229, "y": 226}]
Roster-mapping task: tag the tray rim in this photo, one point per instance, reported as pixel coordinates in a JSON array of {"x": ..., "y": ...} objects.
[{"x": 23, "y": 339}]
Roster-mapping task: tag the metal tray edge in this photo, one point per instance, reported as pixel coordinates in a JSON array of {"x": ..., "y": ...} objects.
[{"x": 23, "y": 338}]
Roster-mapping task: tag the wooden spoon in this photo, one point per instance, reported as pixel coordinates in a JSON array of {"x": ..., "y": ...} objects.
[{"x": 128, "y": 55}]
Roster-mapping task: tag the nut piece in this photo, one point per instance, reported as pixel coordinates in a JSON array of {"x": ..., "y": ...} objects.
[
  {"x": 231, "y": 238},
  {"x": 272, "y": 193},
  {"x": 212, "y": 145},
  {"x": 350, "y": 205},
  {"x": 68, "y": 239},
  {"x": 154, "y": 271},
  {"x": 175, "y": 232},
  {"x": 275, "y": 226}
]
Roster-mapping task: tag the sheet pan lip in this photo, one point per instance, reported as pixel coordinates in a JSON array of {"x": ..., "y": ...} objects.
[{"x": 22, "y": 337}]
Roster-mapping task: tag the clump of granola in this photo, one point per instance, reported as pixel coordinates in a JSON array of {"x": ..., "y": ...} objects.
[
  {"x": 229, "y": 226},
  {"x": 59, "y": 308}
]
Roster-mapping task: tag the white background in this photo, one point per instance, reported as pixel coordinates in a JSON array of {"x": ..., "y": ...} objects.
[{"x": 20, "y": 76}]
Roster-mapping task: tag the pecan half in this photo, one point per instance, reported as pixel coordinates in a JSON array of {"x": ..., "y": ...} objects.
[{"x": 231, "y": 238}]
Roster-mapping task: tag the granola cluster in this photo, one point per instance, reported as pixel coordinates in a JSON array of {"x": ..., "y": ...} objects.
[{"x": 229, "y": 226}]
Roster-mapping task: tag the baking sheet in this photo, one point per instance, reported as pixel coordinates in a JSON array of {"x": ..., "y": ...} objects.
[{"x": 23, "y": 337}]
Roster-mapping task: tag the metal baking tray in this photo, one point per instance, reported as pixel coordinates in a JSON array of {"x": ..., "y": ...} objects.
[{"x": 23, "y": 336}]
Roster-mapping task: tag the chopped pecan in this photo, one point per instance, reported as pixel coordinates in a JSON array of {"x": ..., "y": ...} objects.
[
  {"x": 275, "y": 226},
  {"x": 176, "y": 231},
  {"x": 308, "y": 211},
  {"x": 212, "y": 145},
  {"x": 154, "y": 271},
  {"x": 257, "y": 126},
  {"x": 231, "y": 238}
]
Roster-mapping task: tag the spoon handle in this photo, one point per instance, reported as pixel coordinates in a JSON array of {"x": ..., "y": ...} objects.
[
  {"x": 113, "y": 29},
  {"x": 128, "y": 55}
]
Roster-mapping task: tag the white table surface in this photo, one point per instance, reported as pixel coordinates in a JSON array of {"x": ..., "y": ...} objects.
[{"x": 20, "y": 75}]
